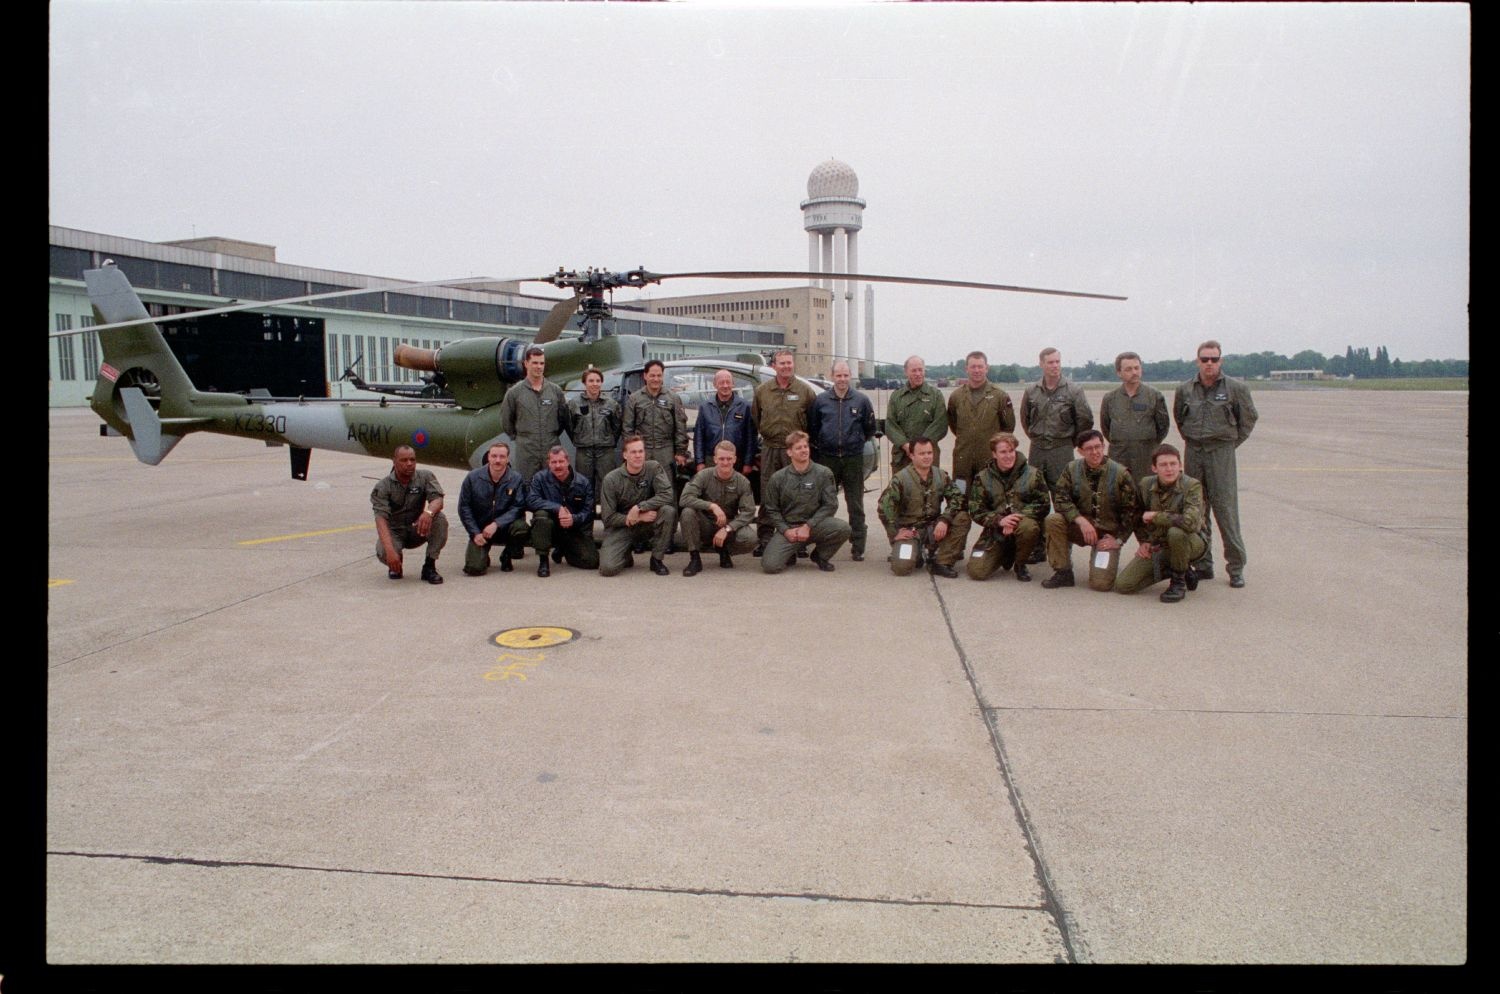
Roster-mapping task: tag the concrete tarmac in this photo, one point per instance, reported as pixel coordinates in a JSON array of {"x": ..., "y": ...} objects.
[{"x": 261, "y": 750}]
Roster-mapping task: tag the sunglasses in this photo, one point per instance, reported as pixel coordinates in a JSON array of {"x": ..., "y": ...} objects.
[{"x": 1210, "y": 358}]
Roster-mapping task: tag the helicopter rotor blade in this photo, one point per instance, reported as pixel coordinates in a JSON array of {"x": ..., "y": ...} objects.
[
  {"x": 557, "y": 319},
  {"x": 868, "y": 278},
  {"x": 280, "y": 301}
]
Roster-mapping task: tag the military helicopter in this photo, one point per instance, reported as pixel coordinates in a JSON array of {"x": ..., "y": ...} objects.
[{"x": 143, "y": 393}]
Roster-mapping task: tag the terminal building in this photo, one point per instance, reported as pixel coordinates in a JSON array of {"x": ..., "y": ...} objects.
[{"x": 303, "y": 349}]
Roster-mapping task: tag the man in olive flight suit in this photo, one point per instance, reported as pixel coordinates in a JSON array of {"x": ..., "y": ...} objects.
[
  {"x": 1133, "y": 417},
  {"x": 801, "y": 500},
  {"x": 1215, "y": 415},
  {"x": 1008, "y": 501},
  {"x": 1172, "y": 532},
  {"x": 1053, "y": 413},
  {"x": 657, "y": 415},
  {"x": 977, "y": 409},
  {"x": 408, "y": 506},
  {"x": 534, "y": 413},
  {"x": 778, "y": 407},
  {"x": 915, "y": 411},
  {"x": 717, "y": 502},
  {"x": 917, "y": 509},
  {"x": 637, "y": 506}
]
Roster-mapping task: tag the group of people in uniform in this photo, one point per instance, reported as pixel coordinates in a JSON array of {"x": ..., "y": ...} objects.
[{"x": 634, "y": 473}]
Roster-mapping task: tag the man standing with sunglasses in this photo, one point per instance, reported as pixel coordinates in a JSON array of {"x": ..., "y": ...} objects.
[{"x": 1214, "y": 414}]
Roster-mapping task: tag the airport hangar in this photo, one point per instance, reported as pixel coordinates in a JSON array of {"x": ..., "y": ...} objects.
[{"x": 302, "y": 350}]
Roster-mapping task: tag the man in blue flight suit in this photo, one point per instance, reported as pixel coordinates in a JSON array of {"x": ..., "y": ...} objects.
[
  {"x": 562, "y": 513},
  {"x": 492, "y": 506}
]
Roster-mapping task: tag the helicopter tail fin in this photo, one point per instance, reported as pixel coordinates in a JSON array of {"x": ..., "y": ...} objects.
[{"x": 142, "y": 389}]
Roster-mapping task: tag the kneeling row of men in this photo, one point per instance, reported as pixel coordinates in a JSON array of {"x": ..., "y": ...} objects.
[
  {"x": 637, "y": 505},
  {"x": 926, "y": 515},
  {"x": 1095, "y": 504}
]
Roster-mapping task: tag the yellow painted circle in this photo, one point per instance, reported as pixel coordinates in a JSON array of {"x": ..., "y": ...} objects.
[{"x": 534, "y": 638}]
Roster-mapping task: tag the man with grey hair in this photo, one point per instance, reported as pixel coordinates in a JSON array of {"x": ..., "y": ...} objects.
[
  {"x": 1133, "y": 417},
  {"x": 912, "y": 412},
  {"x": 840, "y": 421}
]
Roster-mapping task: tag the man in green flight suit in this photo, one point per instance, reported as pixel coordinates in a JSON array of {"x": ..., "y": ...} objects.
[
  {"x": 533, "y": 413},
  {"x": 915, "y": 411},
  {"x": 1172, "y": 531},
  {"x": 1215, "y": 415},
  {"x": 801, "y": 500},
  {"x": 408, "y": 506},
  {"x": 1133, "y": 417},
  {"x": 977, "y": 409}
]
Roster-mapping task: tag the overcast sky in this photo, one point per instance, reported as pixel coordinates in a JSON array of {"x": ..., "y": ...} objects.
[{"x": 1275, "y": 176}]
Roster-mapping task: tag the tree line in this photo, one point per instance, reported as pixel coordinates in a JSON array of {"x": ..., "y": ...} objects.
[{"x": 1356, "y": 362}]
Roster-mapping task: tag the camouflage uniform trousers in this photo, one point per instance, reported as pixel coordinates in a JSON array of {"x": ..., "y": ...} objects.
[
  {"x": 407, "y": 538},
  {"x": 906, "y": 553},
  {"x": 1213, "y": 465},
  {"x": 615, "y": 556},
  {"x": 994, "y": 551},
  {"x": 1060, "y": 532},
  {"x": 698, "y": 529},
  {"x": 1182, "y": 548},
  {"x": 849, "y": 476},
  {"x": 576, "y": 544},
  {"x": 513, "y": 538},
  {"x": 828, "y": 536}
]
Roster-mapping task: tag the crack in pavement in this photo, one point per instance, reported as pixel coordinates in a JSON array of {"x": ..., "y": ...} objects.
[
  {"x": 545, "y": 882},
  {"x": 1290, "y": 714},
  {"x": 1060, "y": 917}
]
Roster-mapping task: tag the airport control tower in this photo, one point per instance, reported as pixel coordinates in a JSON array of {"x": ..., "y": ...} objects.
[{"x": 832, "y": 215}]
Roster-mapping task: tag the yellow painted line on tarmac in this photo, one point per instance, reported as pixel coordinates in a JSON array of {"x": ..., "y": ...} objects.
[
  {"x": 1346, "y": 469},
  {"x": 289, "y": 538},
  {"x": 59, "y": 583}
]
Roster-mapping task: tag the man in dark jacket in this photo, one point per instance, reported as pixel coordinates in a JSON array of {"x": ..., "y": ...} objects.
[
  {"x": 725, "y": 418},
  {"x": 840, "y": 420},
  {"x": 562, "y": 514},
  {"x": 492, "y": 507}
]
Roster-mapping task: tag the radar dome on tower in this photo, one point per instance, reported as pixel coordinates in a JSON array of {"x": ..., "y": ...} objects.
[{"x": 832, "y": 179}]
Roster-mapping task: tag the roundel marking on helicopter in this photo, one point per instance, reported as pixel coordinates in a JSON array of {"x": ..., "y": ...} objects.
[
  {"x": 420, "y": 438},
  {"x": 533, "y": 638}
]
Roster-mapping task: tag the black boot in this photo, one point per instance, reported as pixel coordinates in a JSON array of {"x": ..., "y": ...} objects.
[
  {"x": 1176, "y": 589},
  {"x": 1191, "y": 578},
  {"x": 505, "y": 564},
  {"x": 543, "y": 568},
  {"x": 694, "y": 566},
  {"x": 659, "y": 568},
  {"x": 430, "y": 573},
  {"x": 725, "y": 560},
  {"x": 1022, "y": 573},
  {"x": 1062, "y": 578}
]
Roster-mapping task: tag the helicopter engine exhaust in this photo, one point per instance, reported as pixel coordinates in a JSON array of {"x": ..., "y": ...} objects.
[{"x": 473, "y": 360}]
